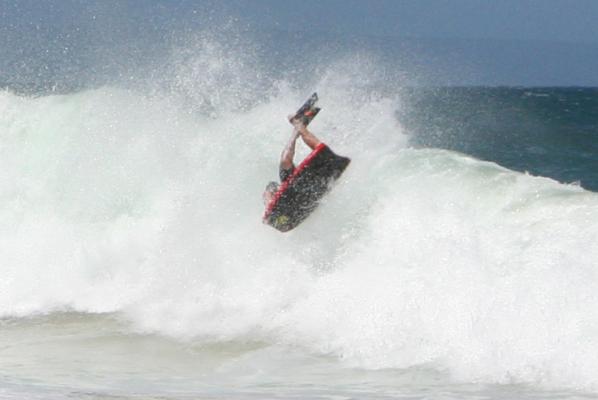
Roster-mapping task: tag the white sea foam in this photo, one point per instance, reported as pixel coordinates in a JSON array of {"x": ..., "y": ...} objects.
[{"x": 140, "y": 203}]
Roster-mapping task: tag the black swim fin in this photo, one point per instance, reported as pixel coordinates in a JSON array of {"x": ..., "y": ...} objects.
[{"x": 308, "y": 111}]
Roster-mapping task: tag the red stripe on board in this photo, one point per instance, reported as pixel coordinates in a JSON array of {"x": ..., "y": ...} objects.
[{"x": 284, "y": 185}]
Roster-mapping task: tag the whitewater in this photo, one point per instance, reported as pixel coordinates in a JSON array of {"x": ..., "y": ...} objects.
[{"x": 133, "y": 259}]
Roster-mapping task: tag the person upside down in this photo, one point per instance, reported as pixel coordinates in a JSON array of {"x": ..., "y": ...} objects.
[
  {"x": 286, "y": 166},
  {"x": 301, "y": 188}
]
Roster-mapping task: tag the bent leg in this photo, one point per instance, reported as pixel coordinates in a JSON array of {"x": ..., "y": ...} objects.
[
  {"x": 286, "y": 158},
  {"x": 309, "y": 138}
]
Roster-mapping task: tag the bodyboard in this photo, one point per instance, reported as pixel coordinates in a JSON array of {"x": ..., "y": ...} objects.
[{"x": 300, "y": 193}]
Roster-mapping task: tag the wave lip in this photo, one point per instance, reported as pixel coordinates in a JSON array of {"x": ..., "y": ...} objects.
[{"x": 126, "y": 202}]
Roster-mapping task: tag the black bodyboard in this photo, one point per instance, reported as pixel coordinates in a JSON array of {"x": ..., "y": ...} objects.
[{"x": 299, "y": 194}]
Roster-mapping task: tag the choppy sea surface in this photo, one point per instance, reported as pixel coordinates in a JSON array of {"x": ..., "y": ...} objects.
[
  {"x": 545, "y": 131},
  {"x": 455, "y": 259}
]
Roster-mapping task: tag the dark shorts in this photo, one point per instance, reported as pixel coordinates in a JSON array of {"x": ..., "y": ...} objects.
[{"x": 285, "y": 173}]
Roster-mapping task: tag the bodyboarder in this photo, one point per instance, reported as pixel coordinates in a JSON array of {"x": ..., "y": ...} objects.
[
  {"x": 301, "y": 188},
  {"x": 286, "y": 166}
]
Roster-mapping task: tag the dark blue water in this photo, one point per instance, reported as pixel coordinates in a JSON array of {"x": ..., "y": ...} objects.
[{"x": 550, "y": 132}]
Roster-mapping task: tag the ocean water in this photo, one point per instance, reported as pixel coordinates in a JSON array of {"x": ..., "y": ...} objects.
[
  {"x": 455, "y": 259},
  {"x": 545, "y": 131}
]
